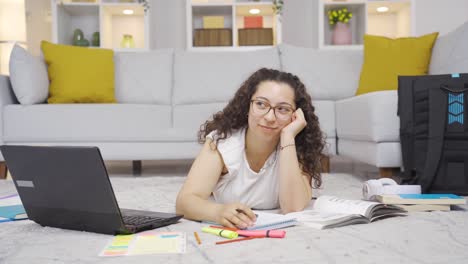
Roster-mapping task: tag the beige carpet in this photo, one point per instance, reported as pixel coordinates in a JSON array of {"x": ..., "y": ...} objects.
[{"x": 437, "y": 237}]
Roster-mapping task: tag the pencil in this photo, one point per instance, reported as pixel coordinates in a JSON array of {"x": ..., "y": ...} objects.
[
  {"x": 225, "y": 228},
  {"x": 235, "y": 240},
  {"x": 197, "y": 238}
]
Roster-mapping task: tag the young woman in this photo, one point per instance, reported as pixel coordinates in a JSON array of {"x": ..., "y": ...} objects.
[{"x": 262, "y": 151}]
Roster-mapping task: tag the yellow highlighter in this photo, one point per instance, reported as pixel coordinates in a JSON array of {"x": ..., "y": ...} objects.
[{"x": 220, "y": 232}]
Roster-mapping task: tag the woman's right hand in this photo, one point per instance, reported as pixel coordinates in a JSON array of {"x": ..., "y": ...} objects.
[{"x": 235, "y": 215}]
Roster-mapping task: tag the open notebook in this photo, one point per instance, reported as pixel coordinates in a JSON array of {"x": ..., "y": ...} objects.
[{"x": 268, "y": 221}]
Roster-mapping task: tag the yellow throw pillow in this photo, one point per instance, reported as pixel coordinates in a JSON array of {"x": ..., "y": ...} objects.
[
  {"x": 386, "y": 58},
  {"x": 78, "y": 74}
]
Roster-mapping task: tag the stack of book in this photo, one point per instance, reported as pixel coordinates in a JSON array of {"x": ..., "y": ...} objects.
[
  {"x": 422, "y": 202},
  {"x": 11, "y": 208}
]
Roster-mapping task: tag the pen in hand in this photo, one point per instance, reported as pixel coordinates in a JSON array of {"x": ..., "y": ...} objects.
[{"x": 243, "y": 212}]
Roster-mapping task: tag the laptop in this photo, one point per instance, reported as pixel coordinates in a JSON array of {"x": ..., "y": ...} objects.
[{"x": 68, "y": 187}]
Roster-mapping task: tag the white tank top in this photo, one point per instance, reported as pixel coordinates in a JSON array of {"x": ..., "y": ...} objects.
[{"x": 241, "y": 184}]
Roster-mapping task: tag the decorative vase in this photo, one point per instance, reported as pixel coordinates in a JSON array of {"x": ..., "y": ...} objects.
[
  {"x": 95, "y": 41},
  {"x": 78, "y": 38},
  {"x": 341, "y": 34},
  {"x": 127, "y": 41}
]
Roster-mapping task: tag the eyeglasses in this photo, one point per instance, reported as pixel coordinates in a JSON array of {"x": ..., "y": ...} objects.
[{"x": 282, "y": 112}]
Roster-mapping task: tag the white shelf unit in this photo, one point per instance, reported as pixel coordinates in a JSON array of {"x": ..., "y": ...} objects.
[
  {"x": 233, "y": 12},
  {"x": 396, "y": 22},
  {"x": 103, "y": 16}
]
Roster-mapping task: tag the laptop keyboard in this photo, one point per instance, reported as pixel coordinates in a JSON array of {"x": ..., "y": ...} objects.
[{"x": 139, "y": 220}]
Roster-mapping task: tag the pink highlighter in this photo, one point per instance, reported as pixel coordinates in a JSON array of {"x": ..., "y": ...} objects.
[{"x": 262, "y": 233}]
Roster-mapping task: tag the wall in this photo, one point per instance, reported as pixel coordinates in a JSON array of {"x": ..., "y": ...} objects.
[
  {"x": 12, "y": 28},
  {"x": 167, "y": 24},
  {"x": 403, "y": 20},
  {"x": 38, "y": 24},
  {"x": 436, "y": 15},
  {"x": 300, "y": 23},
  {"x": 379, "y": 25}
]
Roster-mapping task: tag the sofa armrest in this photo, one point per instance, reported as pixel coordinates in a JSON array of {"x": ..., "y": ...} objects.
[
  {"x": 369, "y": 117},
  {"x": 7, "y": 97}
]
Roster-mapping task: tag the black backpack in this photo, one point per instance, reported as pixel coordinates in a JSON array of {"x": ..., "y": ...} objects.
[{"x": 434, "y": 132}]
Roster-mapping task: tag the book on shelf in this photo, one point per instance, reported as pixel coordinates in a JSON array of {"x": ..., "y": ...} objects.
[
  {"x": 330, "y": 212},
  {"x": 450, "y": 199}
]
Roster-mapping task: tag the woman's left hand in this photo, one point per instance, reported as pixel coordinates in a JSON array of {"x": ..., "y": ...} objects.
[{"x": 297, "y": 124}]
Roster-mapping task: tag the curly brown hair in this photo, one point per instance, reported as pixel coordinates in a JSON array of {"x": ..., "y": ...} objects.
[{"x": 309, "y": 142}]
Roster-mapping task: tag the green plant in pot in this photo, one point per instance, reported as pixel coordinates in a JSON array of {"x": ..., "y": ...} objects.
[{"x": 339, "y": 20}]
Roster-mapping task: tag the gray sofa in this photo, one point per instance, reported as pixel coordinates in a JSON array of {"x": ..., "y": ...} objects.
[
  {"x": 165, "y": 95},
  {"x": 163, "y": 98}
]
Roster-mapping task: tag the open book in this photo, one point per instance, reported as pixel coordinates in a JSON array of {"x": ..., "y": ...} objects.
[{"x": 331, "y": 211}]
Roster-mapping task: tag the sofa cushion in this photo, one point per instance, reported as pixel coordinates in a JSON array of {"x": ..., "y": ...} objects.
[
  {"x": 327, "y": 74},
  {"x": 89, "y": 123},
  {"x": 386, "y": 58},
  {"x": 190, "y": 117},
  {"x": 449, "y": 53},
  {"x": 325, "y": 111},
  {"x": 28, "y": 76},
  {"x": 369, "y": 117},
  {"x": 79, "y": 74},
  {"x": 144, "y": 77},
  {"x": 206, "y": 77}
]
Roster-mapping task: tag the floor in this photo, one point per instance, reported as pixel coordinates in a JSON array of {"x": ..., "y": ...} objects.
[{"x": 420, "y": 237}]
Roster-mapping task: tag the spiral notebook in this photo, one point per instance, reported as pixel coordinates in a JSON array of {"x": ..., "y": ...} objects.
[{"x": 268, "y": 221}]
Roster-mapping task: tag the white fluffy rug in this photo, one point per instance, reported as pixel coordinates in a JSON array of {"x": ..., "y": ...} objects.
[{"x": 436, "y": 237}]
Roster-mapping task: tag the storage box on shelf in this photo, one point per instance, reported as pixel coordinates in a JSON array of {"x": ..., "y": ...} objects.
[
  {"x": 213, "y": 37},
  {"x": 255, "y": 36},
  {"x": 233, "y": 14},
  {"x": 112, "y": 19}
]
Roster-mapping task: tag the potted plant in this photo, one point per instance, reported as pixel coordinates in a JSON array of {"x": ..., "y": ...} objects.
[{"x": 339, "y": 19}]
